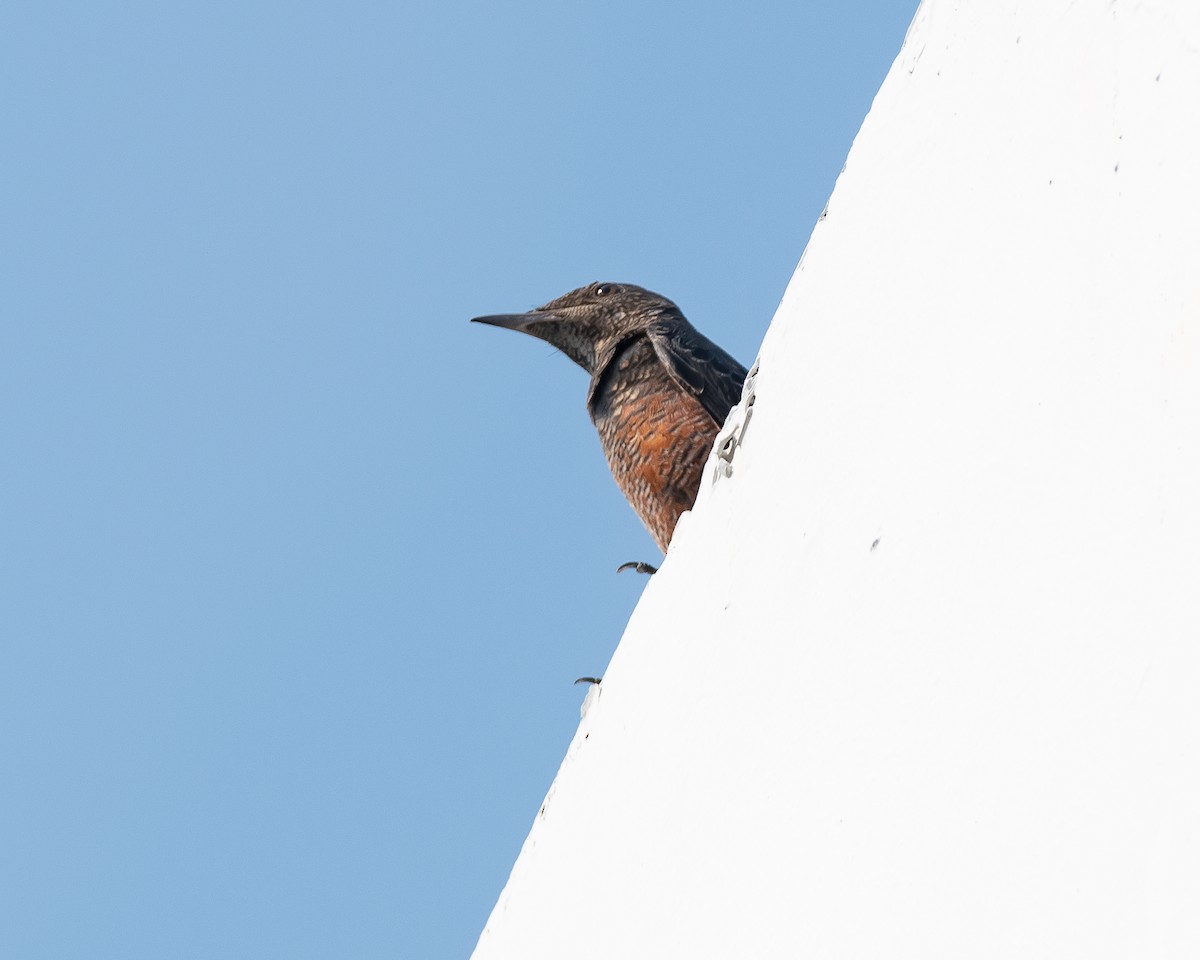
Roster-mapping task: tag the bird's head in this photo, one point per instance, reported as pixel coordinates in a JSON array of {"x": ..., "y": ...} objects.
[{"x": 588, "y": 323}]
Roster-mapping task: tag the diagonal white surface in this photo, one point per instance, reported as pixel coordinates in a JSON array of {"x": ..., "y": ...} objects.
[{"x": 920, "y": 678}]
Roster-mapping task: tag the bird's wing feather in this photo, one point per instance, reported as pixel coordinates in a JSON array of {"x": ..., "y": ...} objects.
[{"x": 698, "y": 365}]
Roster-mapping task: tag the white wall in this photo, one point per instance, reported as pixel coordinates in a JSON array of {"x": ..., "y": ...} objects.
[{"x": 921, "y": 677}]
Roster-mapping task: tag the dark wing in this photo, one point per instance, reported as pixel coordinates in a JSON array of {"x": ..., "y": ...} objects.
[{"x": 698, "y": 365}]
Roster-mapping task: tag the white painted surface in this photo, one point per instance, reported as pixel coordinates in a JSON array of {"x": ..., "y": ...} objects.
[{"x": 980, "y": 738}]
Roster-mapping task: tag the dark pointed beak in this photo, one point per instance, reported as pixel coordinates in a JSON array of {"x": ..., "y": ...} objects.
[{"x": 514, "y": 321}]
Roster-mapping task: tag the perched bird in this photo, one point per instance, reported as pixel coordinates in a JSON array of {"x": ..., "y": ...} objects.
[{"x": 660, "y": 390}]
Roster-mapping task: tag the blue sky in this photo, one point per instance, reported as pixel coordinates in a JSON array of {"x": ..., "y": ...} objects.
[{"x": 298, "y": 565}]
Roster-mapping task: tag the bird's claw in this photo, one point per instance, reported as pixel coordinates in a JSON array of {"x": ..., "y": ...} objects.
[{"x": 638, "y": 566}]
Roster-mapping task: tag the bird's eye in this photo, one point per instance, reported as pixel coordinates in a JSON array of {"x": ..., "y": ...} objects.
[{"x": 604, "y": 289}]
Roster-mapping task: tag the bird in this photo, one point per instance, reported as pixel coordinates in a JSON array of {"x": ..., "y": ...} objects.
[{"x": 659, "y": 392}]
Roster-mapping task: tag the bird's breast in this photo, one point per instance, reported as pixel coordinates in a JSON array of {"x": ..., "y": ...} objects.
[{"x": 656, "y": 437}]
